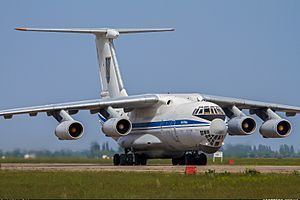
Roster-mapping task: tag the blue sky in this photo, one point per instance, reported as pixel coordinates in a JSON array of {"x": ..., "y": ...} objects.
[{"x": 246, "y": 49}]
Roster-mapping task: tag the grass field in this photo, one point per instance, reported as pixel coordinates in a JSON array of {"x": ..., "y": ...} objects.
[
  {"x": 59, "y": 184},
  {"x": 237, "y": 161}
]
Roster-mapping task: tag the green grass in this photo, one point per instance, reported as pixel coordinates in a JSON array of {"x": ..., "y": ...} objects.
[{"x": 59, "y": 184}]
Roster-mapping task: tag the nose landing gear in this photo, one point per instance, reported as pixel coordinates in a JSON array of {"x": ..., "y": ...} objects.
[{"x": 191, "y": 158}]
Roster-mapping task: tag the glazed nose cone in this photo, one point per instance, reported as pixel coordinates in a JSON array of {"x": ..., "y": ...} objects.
[{"x": 218, "y": 127}]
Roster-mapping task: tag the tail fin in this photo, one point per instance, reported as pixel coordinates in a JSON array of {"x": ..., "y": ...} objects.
[{"x": 110, "y": 76}]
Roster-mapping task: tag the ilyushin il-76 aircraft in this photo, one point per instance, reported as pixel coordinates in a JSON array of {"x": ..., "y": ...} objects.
[{"x": 183, "y": 127}]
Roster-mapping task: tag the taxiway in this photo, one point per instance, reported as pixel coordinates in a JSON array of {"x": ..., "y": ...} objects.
[{"x": 149, "y": 168}]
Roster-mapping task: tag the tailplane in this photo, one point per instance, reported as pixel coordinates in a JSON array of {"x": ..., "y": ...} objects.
[{"x": 110, "y": 76}]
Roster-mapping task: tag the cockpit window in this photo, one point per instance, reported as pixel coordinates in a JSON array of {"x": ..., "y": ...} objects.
[
  {"x": 216, "y": 110},
  {"x": 195, "y": 111},
  {"x": 212, "y": 110},
  {"x": 200, "y": 112},
  {"x": 206, "y": 110},
  {"x": 209, "y": 112},
  {"x": 220, "y": 111}
]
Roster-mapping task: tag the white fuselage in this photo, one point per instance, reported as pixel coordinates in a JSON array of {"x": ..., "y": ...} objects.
[{"x": 174, "y": 127}]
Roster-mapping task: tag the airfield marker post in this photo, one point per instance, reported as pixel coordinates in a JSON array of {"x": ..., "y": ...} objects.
[
  {"x": 218, "y": 154},
  {"x": 190, "y": 169}
]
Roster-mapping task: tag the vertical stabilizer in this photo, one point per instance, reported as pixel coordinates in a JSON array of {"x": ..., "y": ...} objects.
[{"x": 111, "y": 80}]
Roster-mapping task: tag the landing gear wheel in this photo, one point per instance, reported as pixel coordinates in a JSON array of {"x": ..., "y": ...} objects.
[
  {"x": 123, "y": 159},
  {"x": 175, "y": 161},
  {"x": 116, "y": 159},
  {"x": 202, "y": 159},
  {"x": 143, "y": 160},
  {"x": 190, "y": 159},
  {"x": 197, "y": 159},
  {"x": 130, "y": 159},
  {"x": 137, "y": 159},
  {"x": 181, "y": 160}
]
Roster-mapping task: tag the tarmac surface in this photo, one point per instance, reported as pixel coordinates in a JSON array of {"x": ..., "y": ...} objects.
[{"x": 149, "y": 168}]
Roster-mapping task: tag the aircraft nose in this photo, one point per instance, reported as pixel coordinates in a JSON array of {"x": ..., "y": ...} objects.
[{"x": 218, "y": 127}]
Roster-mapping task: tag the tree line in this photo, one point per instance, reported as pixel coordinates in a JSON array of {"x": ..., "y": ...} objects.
[
  {"x": 96, "y": 150},
  {"x": 260, "y": 151}
]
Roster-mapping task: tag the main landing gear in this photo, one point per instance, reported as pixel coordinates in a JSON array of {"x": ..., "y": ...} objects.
[
  {"x": 191, "y": 158},
  {"x": 129, "y": 159}
]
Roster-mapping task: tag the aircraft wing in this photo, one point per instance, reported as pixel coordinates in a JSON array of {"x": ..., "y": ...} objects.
[
  {"x": 131, "y": 102},
  {"x": 251, "y": 105}
]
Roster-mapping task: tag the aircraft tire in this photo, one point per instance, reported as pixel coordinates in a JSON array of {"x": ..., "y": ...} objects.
[
  {"x": 181, "y": 160},
  {"x": 197, "y": 159},
  {"x": 130, "y": 160},
  {"x": 202, "y": 159},
  {"x": 123, "y": 159},
  {"x": 137, "y": 159},
  {"x": 116, "y": 159},
  {"x": 175, "y": 161},
  {"x": 190, "y": 159},
  {"x": 143, "y": 160}
]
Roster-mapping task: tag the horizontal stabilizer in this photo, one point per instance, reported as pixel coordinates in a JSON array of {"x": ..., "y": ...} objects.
[{"x": 98, "y": 31}]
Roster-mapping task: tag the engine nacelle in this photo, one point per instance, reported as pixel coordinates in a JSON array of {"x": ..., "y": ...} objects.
[
  {"x": 116, "y": 127},
  {"x": 241, "y": 126},
  {"x": 275, "y": 128},
  {"x": 69, "y": 130}
]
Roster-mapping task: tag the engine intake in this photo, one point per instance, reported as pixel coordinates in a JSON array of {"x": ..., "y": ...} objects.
[
  {"x": 116, "y": 127},
  {"x": 69, "y": 130},
  {"x": 241, "y": 126},
  {"x": 275, "y": 128}
]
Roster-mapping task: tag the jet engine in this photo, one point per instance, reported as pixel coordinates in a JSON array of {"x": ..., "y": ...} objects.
[
  {"x": 275, "y": 128},
  {"x": 116, "y": 127},
  {"x": 241, "y": 125},
  {"x": 69, "y": 130}
]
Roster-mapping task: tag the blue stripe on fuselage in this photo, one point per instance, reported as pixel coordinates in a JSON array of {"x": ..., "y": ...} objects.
[
  {"x": 173, "y": 123},
  {"x": 183, "y": 123}
]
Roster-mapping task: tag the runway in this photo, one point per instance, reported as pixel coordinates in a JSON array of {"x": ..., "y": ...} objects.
[{"x": 150, "y": 168}]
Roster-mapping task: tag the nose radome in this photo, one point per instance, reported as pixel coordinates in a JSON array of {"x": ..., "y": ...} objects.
[{"x": 218, "y": 127}]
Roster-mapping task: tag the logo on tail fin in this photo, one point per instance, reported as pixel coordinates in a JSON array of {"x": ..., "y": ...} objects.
[{"x": 107, "y": 65}]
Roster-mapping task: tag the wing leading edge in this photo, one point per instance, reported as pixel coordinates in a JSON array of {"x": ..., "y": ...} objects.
[
  {"x": 131, "y": 102},
  {"x": 251, "y": 105}
]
